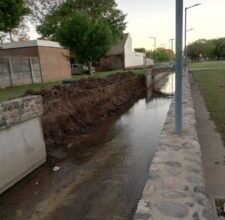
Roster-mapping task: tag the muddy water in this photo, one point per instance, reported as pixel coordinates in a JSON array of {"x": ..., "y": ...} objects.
[{"x": 104, "y": 181}]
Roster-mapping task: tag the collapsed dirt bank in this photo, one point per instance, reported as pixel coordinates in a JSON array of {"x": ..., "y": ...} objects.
[{"x": 74, "y": 110}]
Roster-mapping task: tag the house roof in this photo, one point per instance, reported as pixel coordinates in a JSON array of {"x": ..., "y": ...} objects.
[
  {"x": 119, "y": 47},
  {"x": 30, "y": 43}
]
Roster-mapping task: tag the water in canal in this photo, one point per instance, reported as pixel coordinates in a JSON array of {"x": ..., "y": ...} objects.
[
  {"x": 109, "y": 184},
  {"x": 122, "y": 166}
]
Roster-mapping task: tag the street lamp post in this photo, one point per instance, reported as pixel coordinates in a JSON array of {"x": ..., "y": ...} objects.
[
  {"x": 179, "y": 65},
  {"x": 185, "y": 47},
  {"x": 154, "y": 38},
  {"x": 172, "y": 40},
  {"x": 185, "y": 31}
]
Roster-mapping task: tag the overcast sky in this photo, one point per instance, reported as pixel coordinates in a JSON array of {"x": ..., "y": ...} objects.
[{"x": 156, "y": 18}]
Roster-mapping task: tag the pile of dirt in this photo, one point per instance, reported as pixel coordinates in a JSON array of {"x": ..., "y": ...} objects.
[{"x": 75, "y": 109}]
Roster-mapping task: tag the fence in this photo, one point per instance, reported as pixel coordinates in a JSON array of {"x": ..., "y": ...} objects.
[{"x": 15, "y": 71}]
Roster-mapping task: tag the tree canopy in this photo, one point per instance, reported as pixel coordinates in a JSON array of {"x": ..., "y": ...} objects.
[
  {"x": 88, "y": 40},
  {"x": 88, "y": 28},
  {"x": 41, "y": 8},
  {"x": 11, "y": 14},
  {"x": 161, "y": 55},
  {"x": 103, "y": 9},
  {"x": 207, "y": 49},
  {"x": 140, "y": 50}
]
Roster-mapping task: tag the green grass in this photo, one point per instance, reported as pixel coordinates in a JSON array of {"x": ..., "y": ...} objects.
[
  {"x": 10, "y": 93},
  {"x": 14, "y": 92},
  {"x": 212, "y": 87},
  {"x": 103, "y": 75},
  {"x": 208, "y": 64}
]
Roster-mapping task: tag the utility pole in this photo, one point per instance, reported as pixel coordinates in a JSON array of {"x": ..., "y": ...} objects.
[{"x": 179, "y": 65}]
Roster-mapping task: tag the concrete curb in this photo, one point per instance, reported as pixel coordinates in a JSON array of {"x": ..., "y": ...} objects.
[{"x": 175, "y": 188}]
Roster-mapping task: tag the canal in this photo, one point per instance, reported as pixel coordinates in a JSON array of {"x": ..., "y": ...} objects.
[{"x": 104, "y": 182}]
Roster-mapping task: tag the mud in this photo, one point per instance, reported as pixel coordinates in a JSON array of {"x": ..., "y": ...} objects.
[{"x": 73, "y": 111}]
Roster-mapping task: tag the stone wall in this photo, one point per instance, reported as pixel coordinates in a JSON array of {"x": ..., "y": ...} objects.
[
  {"x": 15, "y": 71},
  {"x": 175, "y": 188},
  {"x": 22, "y": 147}
]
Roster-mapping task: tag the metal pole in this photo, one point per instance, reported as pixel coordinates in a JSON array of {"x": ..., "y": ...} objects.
[
  {"x": 179, "y": 65},
  {"x": 172, "y": 43},
  {"x": 185, "y": 38},
  {"x": 154, "y": 38}
]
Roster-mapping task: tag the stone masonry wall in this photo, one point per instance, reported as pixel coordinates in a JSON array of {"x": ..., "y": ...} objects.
[
  {"x": 19, "y": 110},
  {"x": 175, "y": 188}
]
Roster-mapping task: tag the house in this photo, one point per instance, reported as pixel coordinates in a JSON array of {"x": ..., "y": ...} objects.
[
  {"x": 51, "y": 57},
  {"x": 122, "y": 56}
]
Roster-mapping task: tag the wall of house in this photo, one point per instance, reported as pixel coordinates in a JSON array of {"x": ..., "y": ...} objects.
[
  {"x": 22, "y": 147},
  {"x": 112, "y": 62},
  {"x": 149, "y": 62},
  {"x": 20, "y": 52},
  {"x": 132, "y": 59},
  {"x": 55, "y": 65}
]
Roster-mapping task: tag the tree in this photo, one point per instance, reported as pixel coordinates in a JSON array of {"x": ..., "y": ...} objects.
[
  {"x": 104, "y": 9},
  {"x": 11, "y": 14},
  {"x": 140, "y": 50},
  {"x": 41, "y": 8},
  {"x": 86, "y": 38},
  {"x": 219, "y": 49},
  {"x": 198, "y": 49},
  {"x": 149, "y": 54},
  {"x": 162, "y": 55},
  {"x": 208, "y": 49}
]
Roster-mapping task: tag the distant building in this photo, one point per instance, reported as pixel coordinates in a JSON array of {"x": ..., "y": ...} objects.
[
  {"x": 53, "y": 59},
  {"x": 122, "y": 56}
]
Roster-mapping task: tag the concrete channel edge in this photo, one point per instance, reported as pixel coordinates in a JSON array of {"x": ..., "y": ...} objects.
[{"x": 175, "y": 188}]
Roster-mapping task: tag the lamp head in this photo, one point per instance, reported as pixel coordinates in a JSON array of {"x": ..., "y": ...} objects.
[{"x": 193, "y": 6}]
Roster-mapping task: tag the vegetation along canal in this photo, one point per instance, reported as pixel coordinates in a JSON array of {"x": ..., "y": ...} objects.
[{"x": 106, "y": 181}]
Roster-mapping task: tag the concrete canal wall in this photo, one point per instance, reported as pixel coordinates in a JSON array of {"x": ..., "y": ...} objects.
[
  {"x": 175, "y": 188},
  {"x": 22, "y": 147}
]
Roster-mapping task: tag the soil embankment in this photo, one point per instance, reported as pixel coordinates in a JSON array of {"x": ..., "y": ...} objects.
[{"x": 73, "y": 110}]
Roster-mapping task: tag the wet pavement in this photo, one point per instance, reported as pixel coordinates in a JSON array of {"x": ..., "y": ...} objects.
[{"x": 106, "y": 180}]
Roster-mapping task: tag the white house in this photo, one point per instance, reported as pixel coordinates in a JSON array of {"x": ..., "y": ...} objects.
[{"x": 122, "y": 56}]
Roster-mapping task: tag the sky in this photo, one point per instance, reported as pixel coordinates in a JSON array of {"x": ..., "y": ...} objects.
[{"x": 156, "y": 18}]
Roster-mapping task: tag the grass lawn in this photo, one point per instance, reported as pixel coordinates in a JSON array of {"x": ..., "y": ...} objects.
[
  {"x": 212, "y": 87},
  {"x": 208, "y": 64},
  {"x": 10, "y": 93},
  {"x": 103, "y": 75}
]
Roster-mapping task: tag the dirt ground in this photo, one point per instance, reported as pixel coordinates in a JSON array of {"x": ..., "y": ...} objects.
[
  {"x": 213, "y": 151},
  {"x": 71, "y": 111}
]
